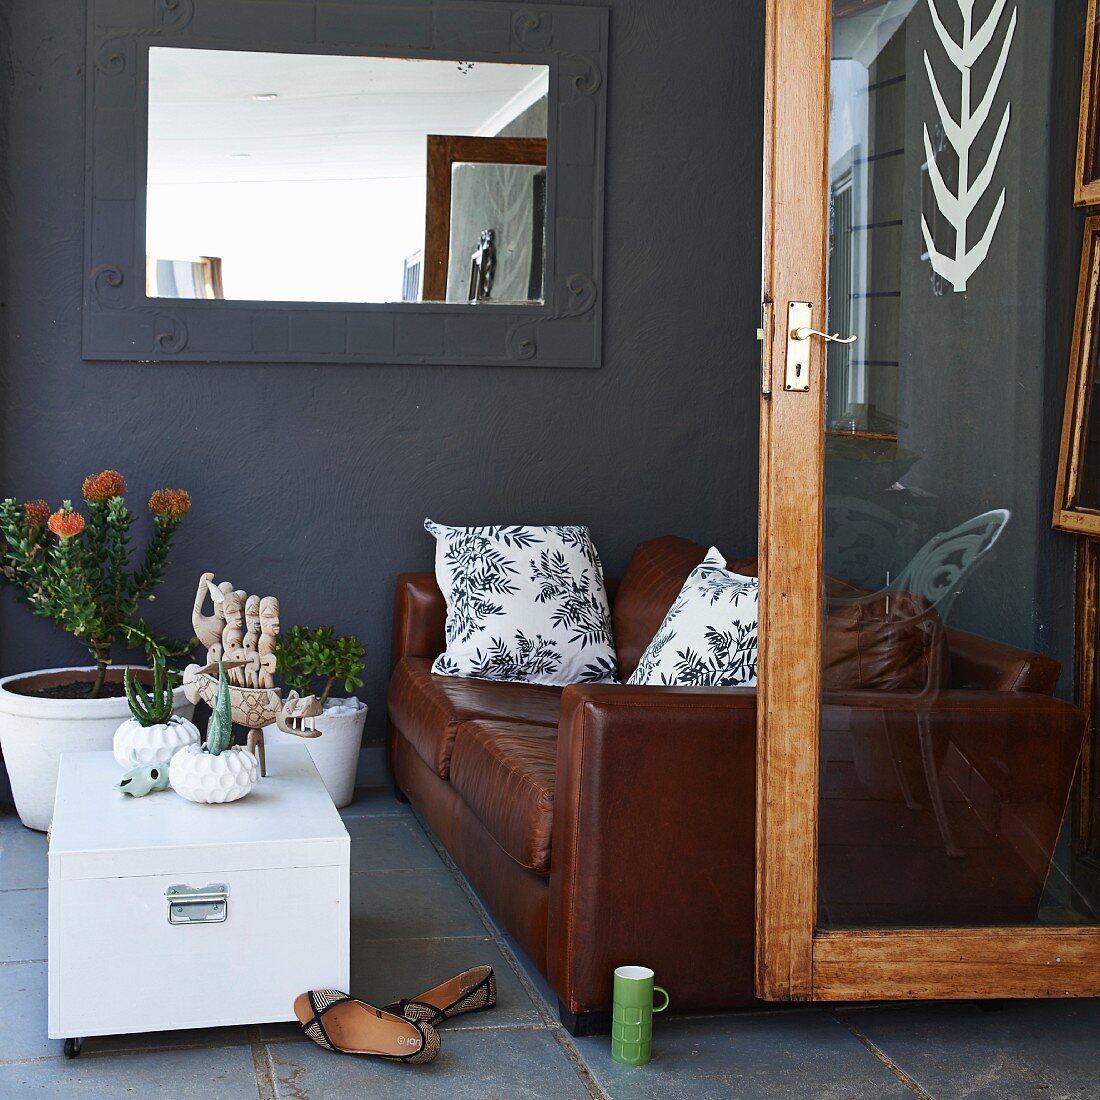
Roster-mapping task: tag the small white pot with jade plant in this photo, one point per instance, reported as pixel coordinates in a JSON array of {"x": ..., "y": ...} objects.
[
  {"x": 152, "y": 734},
  {"x": 217, "y": 771},
  {"x": 313, "y": 662}
]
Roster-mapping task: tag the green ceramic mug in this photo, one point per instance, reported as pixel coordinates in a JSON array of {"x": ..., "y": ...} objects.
[{"x": 632, "y": 1015}]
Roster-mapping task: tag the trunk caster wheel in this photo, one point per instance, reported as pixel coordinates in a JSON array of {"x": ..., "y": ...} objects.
[{"x": 73, "y": 1047}]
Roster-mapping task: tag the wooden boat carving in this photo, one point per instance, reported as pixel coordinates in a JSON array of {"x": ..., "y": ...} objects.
[{"x": 241, "y": 635}]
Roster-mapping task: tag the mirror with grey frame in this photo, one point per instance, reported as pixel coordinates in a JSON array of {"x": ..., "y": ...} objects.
[{"x": 397, "y": 182}]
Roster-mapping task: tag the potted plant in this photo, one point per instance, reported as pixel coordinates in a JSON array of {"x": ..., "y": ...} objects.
[
  {"x": 153, "y": 734},
  {"x": 312, "y": 662},
  {"x": 218, "y": 771},
  {"x": 74, "y": 567}
]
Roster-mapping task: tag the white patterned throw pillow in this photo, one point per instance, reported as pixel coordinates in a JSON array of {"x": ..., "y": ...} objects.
[
  {"x": 708, "y": 637},
  {"x": 526, "y": 604}
]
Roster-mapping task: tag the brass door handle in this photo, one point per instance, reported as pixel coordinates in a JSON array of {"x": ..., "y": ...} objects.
[{"x": 804, "y": 333}]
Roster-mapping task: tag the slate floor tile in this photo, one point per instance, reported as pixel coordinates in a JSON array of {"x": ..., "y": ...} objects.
[
  {"x": 389, "y": 843},
  {"x": 384, "y": 972},
  {"x": 496, "y": 1064},
  {"x": 804, "y": 1054},
  {"x": 22, "y": 856},
  {"x": 1043, "y": 1049},
  {"x": 371, "y": 801},
  {"x": 401, "y": 905},
  {"x": 226, "y": 1073},
  {"x": 22, "y": 925},
  {"x": 23, "y": 996},
  {"x": 534, "y": 976}
]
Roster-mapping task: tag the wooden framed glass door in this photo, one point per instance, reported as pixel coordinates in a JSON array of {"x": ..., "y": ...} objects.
[{"x": 916, "y": 748}]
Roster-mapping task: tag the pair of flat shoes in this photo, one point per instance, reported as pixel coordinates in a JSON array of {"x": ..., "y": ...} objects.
[{"x": 404, "y": 1031}]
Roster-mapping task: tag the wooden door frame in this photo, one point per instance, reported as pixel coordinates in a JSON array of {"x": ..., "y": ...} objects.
[
  {"x": 444, "y": 152},
  {"x": 794, "y": 959}
]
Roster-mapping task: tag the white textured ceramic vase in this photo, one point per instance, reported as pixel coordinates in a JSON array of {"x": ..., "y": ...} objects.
[
  {"x": 155, "y": 744},
  {"x": 35, "y": 731},
  {"x": 335, "y": 753},
  {"x": 200, "y": 777}
]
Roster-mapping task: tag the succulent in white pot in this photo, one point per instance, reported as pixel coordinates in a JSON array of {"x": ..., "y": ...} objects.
[
  {"x": 152, "y": 734},
  {"x": 217, "y": 771},
  {"x": 312, "y": 662}
]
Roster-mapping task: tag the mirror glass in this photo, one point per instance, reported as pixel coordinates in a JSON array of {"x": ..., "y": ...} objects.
[{"x": 316, "y": 178}]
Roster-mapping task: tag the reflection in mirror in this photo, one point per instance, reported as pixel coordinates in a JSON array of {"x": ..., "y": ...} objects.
[
  {"x": 501, "y": 207},
  {"x": 301, "y": 177}
]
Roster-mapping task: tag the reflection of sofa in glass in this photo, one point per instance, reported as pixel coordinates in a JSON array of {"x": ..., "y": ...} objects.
[
  {"x": 610, "y": 823},
  {"x": 995, "y": 750}
]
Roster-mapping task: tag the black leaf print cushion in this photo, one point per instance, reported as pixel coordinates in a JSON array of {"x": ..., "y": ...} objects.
[
  {"x": 708, "y": 637},
  {"x": 526, "y": 604}
]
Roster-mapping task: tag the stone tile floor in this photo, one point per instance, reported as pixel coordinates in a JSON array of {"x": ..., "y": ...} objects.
[{"x": 415, "y": 921}]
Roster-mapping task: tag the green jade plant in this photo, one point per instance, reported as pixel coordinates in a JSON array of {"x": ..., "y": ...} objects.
[
  {"x": 152, "y": 708},
  {"x": 312, "y": 660},
  {"x": 75, "y": 569},
  {"x": 219, "y": 730}
]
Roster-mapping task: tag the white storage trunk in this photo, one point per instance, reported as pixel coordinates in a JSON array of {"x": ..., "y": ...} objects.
[{"x": 123, "y": 958}]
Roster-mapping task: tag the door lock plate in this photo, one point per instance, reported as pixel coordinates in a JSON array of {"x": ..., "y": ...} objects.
[{"x": 797, "y": 371}]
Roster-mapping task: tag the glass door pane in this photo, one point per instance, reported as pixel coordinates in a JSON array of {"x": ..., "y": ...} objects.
[{"x": 948, "y": 751}]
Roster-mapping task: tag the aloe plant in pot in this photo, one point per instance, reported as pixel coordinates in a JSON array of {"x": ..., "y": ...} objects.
[
  {"x": 312, "y": 661},
  {"x": 74, "y": 567}
]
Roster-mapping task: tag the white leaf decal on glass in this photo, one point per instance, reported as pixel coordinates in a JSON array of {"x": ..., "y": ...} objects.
[{"x": 956, "y": 207}]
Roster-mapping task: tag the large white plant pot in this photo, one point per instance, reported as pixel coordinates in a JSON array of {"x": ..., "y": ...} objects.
[
  {"x": 34, "y": 732},
  {"x": 155, "y": 744},
  {"x": 336, "y": 752},
  {"x": 200, "y": 777}
]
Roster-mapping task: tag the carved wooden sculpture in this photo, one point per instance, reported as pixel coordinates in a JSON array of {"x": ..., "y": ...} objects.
[{"x": 242, "y": 633}]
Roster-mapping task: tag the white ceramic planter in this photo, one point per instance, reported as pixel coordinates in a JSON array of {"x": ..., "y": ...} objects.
[
  {"x": 200, "y": 777},
  {"x": 335, "y": 753},
  {"x": 34, "y": 732},
  {"x": 155, "y": 744}
]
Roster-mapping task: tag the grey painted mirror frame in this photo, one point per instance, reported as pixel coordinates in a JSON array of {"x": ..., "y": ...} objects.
[{"x": 121, "y": 323}]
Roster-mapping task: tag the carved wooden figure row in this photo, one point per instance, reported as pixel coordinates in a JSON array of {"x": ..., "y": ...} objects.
[{"x": 242, "y": 633}]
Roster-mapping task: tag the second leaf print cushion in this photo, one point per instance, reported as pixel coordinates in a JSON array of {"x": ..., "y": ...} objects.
[
  {"x": 526, "y": 604},
  {"x": 708, "y": 638}
]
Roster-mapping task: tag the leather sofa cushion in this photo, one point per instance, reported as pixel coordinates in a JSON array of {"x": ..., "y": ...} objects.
[
  {"x": 505, "y": 773},
  {"x": 429, "y": 709},
  {"x": 650, "y": 585}
]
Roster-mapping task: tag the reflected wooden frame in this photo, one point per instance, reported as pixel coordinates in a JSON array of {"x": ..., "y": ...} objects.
[
  {"x": 444, "y": 152},
  {"x": 1069, "y": 514},
  {"x": 1086, "y": 186},
  {"x": 796, "y": 960}
]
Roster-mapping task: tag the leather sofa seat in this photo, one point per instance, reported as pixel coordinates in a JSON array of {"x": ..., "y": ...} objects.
[
  {"x": 505, "y": 773},
  {"x": 431, "y": 708}
]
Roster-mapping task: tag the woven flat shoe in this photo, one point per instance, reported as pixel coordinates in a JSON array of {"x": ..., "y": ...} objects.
[
  {"x": 335, "y": 1021},
  {"x": 471, "y": 991}
]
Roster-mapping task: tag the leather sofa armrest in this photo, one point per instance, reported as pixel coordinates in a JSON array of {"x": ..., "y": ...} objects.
[
  {"x": 419, "y": 618},
  {"x": 984, "y": 664},
  {"x": 653, "y": 858}
]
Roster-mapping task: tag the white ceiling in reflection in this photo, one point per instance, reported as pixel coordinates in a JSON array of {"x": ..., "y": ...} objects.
[{"x": 332, "y": 118}]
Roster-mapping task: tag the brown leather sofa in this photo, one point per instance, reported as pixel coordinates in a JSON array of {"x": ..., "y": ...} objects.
[{"x": 607, "y": 824}]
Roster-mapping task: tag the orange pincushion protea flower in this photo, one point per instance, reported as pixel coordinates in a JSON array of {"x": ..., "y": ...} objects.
[
  {"x": 170, "y": 503},
  {"x": 99, "y": 488},
  {"x": 36, "y": 512},
  {"x": 65, "y": 523}
]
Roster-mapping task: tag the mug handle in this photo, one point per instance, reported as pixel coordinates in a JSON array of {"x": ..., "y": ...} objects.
[{"x": 661, "y": 989}]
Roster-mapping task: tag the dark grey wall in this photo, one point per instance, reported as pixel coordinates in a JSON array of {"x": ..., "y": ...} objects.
[{"x": 312, "y": 482}]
